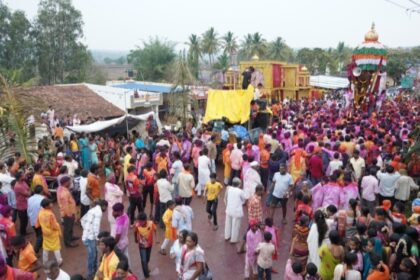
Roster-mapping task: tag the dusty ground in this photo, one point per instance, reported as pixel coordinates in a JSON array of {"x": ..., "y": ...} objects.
[{"x": 221, "y": 256}]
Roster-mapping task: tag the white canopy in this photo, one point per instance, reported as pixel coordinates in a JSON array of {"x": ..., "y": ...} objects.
[
  {"x": 101, "y": 125},
  {"x": 329, "y": 82}
]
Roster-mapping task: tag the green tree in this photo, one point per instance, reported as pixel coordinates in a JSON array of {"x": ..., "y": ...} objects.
[
  {"x": 4, "y": 28},
  {"x": 222, "y": 63},
  {"x": 13, "y": 119},
  {"x": 181, "y": 101},
  {"x": 398, "y": 63},
  {"x": 59, "y": 28},
  {"x": 194, "y": 54},
  {"x": 16, "y": 47},
  {"x": 230, "y": 46},
  {"x": 279, "y": 50},
  {"x": 259, "y": 45},
  {"x": 210, "y": 44},
  {"x": 245, "y": 51},
  {"x": 152, "y": 60},
  {"x": 343, "y": 56}
]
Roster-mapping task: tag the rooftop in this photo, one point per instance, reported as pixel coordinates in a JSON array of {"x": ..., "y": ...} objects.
[
  {"x": 66, "y": 100},
  {"x": 145, "y": 86}
]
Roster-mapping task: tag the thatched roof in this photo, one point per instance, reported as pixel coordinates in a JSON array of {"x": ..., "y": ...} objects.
[{"x": 66, "y": 100}]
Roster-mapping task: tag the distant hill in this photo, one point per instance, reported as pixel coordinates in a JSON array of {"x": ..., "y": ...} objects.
[{"x": 100, "y": 55}]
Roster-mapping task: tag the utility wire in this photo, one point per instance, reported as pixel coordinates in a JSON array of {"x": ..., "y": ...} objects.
[{"x": 405, "y": 8}]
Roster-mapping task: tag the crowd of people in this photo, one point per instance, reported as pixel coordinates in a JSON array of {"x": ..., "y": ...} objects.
[{"x": 348, "y": 175}]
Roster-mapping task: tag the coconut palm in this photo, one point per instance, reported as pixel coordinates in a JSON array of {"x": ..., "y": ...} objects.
[
  {"x": 259, "y": 45},
  {"x": 246, "y": 47},
  {"x": 181, "y": 101},
  {"x": 222, "y": 63},
  {"x": 210, "y": 44},
  {"x": 230, "y": 46},
  {"x": 194, "y": 53},
  {"x": 12, "y": 119},
  {"x": 279, "y": 50}
]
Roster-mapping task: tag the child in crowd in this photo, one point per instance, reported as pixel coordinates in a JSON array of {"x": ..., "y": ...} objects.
[
  {"x": 265, "y": 251},
  {"x": 211, "y": 192},
  {"x": 312, "y": 272},
  {"x": 170, "y": 232},
  {"x": 294, "y": 271}
]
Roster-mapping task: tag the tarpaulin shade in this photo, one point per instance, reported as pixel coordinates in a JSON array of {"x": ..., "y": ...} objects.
[
  {"x": 101, "y": 125},
  {"x": 231, "y": 104}
]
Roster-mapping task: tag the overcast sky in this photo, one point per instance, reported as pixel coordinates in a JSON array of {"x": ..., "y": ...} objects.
[{"x": 123, "y": 24}]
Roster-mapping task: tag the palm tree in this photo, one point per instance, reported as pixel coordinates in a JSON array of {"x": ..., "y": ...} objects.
[
  {"x": 210, "y": 43},
  {"x": 230, "y": 46},
  {"x": 194, "y": 53},
  {"x": 222, "y": 63},
  {"x": 182, "y": 102},
  {"x": 246, "y": 47},
  {"x": 259, "y": 45},
  {"x": 13, "y": 119},
  {"x": 279, "y": 50}
]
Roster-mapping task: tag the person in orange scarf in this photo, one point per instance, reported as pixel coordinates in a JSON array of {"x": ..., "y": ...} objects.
[
  {"x": 226, "y": 161},
  {"x": 27, "y": 259},
  {"x": 397, "y": 164},
  {"x": 297, "y": 162}
]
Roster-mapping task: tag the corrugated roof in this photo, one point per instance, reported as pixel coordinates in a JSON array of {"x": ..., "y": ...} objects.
[
  {"x": 143, "y": 86},
  {"x": 329, "y": 82},
  {"x": 66, "y": 100}
]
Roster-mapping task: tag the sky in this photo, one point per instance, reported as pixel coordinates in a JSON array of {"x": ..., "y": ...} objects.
[{"x": 124, "y": 24}]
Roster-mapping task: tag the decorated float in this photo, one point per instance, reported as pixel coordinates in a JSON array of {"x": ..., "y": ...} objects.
[{"x": 367, "y": 70}]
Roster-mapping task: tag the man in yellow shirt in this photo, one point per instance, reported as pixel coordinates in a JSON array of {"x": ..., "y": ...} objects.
[
  {"x": 109, "y": 260},
  {"x": 211, "y": 192},
  {"x": 51, "y": 231},
  {"x": 40, "y": 180},
  {"x": 127, "y": 158}
]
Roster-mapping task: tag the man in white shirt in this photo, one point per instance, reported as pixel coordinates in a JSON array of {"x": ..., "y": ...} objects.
[
  {"x": 182, "y": 216},
  {"x": 334, "y": 165},
  {"x": 370, "y": 189},
  {"x": 387, "y": 182},
  {"x": 5, "y": 179},
  {"x": 281, "y": 188},
  {"x": 91, "y": 224},
  {"x": 53, "y": 272},
  {"x": 71, "y": 164},
  {"x": 84, "y": 198},
  {"x": 34, "y": 205},
  {"x": 186, "y": 185},
  {"x": 165, "y": 189},
  {"x": 234, "y": 200},
  {"x": 176, "y": 169},
  {"x": 358, "y": 165},
  {"x": 6, "y": 185}
]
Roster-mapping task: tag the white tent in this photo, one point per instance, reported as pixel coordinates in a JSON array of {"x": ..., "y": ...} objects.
[
  {"x": 101, "y": 125},
  {"x": 329, "y": 82}
]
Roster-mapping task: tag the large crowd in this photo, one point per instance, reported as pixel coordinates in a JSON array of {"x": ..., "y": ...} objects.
[{"x": 348, "y": 174}]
